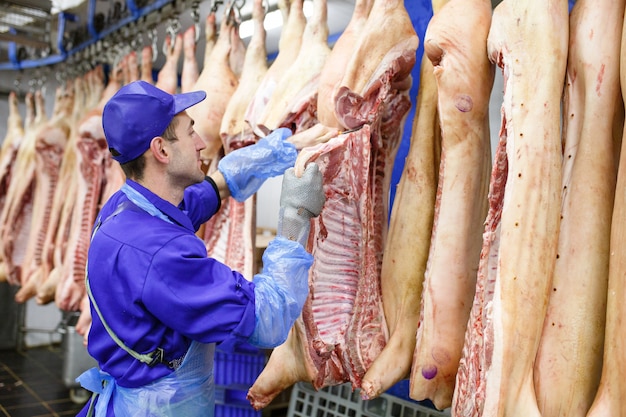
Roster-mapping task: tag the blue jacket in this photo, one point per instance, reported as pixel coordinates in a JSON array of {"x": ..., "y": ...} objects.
[{"x": 156, "y": 287}]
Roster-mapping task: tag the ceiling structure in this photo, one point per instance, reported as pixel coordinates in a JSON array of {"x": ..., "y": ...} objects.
[
  {"x": 41, "y": 39},
  {"x": 47, "y": 38},
  {"x": 26, "y": 23}
]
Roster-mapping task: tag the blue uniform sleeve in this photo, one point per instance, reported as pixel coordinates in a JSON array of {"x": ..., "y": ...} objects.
[
  {"x": 280, "y": 291},
  {"x": 214, "y": 304},
  {"x": 201, "y": 201}
]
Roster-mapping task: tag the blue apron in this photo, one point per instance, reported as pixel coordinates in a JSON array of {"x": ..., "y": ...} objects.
[{"x": 188, "y": 391}]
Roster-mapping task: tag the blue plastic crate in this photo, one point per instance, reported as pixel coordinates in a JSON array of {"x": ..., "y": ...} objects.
[
  {"x": 401, "y": 390},
  {"x": 229, "y": 411},
  {"x": 341, "y": 401},
  {"x": 231, "y": 402},
  {"x": 240, "y": 365},
  {"x": 235, "y": 370}
]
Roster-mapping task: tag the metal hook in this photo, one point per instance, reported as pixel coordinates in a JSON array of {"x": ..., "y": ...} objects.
[
  {"x": 59, "y": 76},
  {"x": 195, "y": 16},
  {"x": 41, "y": 82},
  {"x": 18, "y": 81},
  {"x": 137, "y": 41},
  {"x": 239, "y": 7},
  {"x": 172, "y": 29},
  {"x": 152, "y": 35},
  {"x": 229, "y": 13},
  {"x": 215, "y": 5}
]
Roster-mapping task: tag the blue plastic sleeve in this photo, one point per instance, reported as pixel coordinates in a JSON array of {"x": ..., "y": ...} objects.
[
  {"x": 280, "y": 291},
  {"x": 246, "y": 169}
]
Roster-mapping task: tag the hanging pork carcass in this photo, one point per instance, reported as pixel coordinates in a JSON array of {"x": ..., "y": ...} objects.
[
  {"x": 333, "y": 71},
  {"x": 408, "y": 240},
  {"x": 609, "y": 399},
  {"x": 17, "y": 212},
  {"x": 146, "y": 64},
  {"x": 167, "y": 78},
  {"x": 50, "y": 144},
  {"x": 288, "y": 49},
  {"x": 455, "y": 42},
  {"x": 237, "y": 55},
  {"x": 63, "y": 201},
  {"x": 16, "y": 126},
  {"x": 219, "y": 82},
  {"x": 342, "y": 328},
  {"x": 210, "y": 37},
  {"x": 10, "y": 145},
  {"x": 190, "y": 71},
  {"x": 293, "y": 103},
  {"x": 230, "y": 235},
  {"x": 375, "y": 89},
  {"x": 235, "y": 132},
  {"x": 495, "y": 376},
  {"x": 569, "y": 361},
  {"x": 90, "y": 152}
]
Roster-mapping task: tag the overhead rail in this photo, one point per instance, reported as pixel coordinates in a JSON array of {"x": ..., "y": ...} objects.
[{"x": 125, "y": 22}]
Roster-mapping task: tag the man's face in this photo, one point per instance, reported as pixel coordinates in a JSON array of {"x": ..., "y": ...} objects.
[{"x": 185, "y": 166}]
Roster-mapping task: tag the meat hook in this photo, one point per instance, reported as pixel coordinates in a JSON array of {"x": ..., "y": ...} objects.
[
  {"x": 195, "y": 16},
  {"x": 172, "y": 29},
  {"x": 234, "y": 17},
  {"x": 215, "y": 4},
  {"x": 152, "y": 35}
]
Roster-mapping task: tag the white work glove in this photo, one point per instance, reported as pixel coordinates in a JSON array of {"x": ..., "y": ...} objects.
[
  {"x": 281, "y": 289},
  {"x": 301, "y": 199}
]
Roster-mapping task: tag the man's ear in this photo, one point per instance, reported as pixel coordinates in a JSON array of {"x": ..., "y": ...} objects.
[{"x": 159, "y": 149}]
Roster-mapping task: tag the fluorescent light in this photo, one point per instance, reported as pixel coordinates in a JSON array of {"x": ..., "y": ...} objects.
[
  {"x": 62, "y": 5},
  {"x": 14, "y": 19},
  {"x": 272, "y": 21}
]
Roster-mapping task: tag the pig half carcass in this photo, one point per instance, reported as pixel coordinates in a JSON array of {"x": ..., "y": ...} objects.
[{"x": 495, "y": 375}]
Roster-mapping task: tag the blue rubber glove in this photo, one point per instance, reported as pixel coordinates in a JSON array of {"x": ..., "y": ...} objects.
[
  {"x": 280, "y": 291},
  {"x": 246, "y": 169}
]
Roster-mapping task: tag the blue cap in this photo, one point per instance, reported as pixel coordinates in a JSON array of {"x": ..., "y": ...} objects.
[{"x": 139, "y": 112}]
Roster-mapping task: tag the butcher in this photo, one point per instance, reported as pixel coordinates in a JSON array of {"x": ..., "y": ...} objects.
[{"x": 159, "y": 304}]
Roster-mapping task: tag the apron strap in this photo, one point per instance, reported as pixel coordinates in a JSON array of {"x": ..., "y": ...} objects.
[
  {"x": 152, "y": 358},
  {"x": 101, "y": 385}
]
